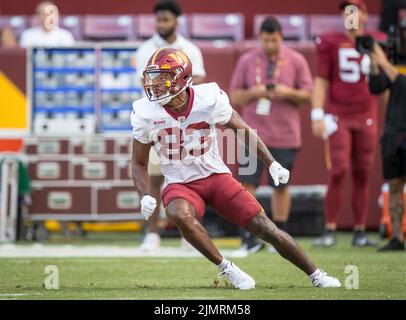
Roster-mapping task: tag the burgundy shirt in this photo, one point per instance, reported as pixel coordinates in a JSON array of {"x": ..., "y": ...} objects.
[
  {"x": 347, "y": 71},
  {"x": 281, "y": 128}
]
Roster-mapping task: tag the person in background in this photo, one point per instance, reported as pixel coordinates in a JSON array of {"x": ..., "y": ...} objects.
[
  {"x": 341, "y": 85},
  {"x": 167, "y": 13},
  {"x": 47, "y": 33},
  {"x": 7, "y": 38},
  {"x": 385, "y": 76},
  {"x": 390, "y": 13},
  {"x": 270, "y": 84}
]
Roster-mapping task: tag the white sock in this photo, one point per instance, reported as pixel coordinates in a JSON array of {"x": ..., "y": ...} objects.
[
  {"x": 223, "y": 264},
  {"x": 314, "y": 274}
]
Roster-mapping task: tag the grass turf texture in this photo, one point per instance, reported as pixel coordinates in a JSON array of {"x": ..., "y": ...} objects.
[{"x": 381, "y": 276}]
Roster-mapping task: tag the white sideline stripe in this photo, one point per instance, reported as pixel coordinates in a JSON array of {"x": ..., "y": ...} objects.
[
  {"x": 13, "y": 294},
  {"x": 199, "y": 298},
  {"x": 69, "y": 251}
]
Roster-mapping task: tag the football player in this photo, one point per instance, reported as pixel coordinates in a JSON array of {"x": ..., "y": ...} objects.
[
  {"x": 179, "y": 120},
  {"x": 341, "y": 85}
]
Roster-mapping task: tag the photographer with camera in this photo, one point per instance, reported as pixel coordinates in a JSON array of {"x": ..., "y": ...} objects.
[
  {"x": 390, "y": 13},
  {"x": 385, "y": 76}
]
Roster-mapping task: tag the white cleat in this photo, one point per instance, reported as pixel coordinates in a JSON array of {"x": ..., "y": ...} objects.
[
  {"x": 241, "y": 252},
  {"x": 325, "y": 281},
  {"x": 237, "y": 277},
  {"x": 151, "y": 242}
]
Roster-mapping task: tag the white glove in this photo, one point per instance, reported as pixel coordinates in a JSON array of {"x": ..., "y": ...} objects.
[
  {"x": 148, "y": 205},
  {"x": 278, "y": 173},
  {"x": 330, "y": 121},
  {"x": 331, "y": 124}
]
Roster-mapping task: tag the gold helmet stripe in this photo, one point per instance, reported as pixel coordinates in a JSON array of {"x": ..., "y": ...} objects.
[{"x": 154, "y": 56}]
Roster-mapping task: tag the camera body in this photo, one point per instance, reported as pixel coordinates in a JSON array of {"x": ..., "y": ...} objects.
[
  {"x": 395, "y": 46},
  {"x": 364, "y": 44}
]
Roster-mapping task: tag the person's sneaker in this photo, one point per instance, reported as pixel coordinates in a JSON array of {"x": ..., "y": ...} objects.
[
  {"x": 327, "y": 239},
  {"x": 393, "y": 245},
  {"x": 151, "y": 242},
  {"x": 241, "y": 252},
  {"x": 360, "y": 239},
  {"x": 256, "y": 248},
  {"x": 238, "y": 278},
  {"x": 323, "y": 280},
  {"x": 244, "y": 250}
]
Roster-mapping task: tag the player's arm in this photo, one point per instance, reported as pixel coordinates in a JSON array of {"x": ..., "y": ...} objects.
[
  {"x": 253, "y": 141},
  {"x": 319, "y": 100},
  {"x": 140, "y": 166},
  {"x": 325, "y": 51},
  {"x": 140, "y": 175}
]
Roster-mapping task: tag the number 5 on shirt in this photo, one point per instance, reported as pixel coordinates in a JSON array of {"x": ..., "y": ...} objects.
[{"x": 350, "y": 68}]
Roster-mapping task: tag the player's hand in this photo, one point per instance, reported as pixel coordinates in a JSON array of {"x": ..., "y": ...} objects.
[
  {"x": 148, "y": 205},
  {"x": 278, "y": 173},
  {"x": 319, "y": 129}
]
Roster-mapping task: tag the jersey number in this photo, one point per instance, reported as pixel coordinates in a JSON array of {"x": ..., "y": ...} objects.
[
  {"x": 350, "y": 68},
  {"x": 194, "y": 141}
]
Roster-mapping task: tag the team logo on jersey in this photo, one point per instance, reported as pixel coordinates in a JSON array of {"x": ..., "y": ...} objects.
[{"x": 159, "y": 122}]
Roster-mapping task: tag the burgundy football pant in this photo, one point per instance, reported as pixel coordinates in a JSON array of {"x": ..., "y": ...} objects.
[{"x": 352, "y": 147}]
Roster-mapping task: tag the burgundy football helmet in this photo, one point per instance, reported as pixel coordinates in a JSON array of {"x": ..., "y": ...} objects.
[{"x": 168, "y": 73}]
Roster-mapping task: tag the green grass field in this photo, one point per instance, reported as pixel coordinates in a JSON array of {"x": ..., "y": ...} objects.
[{"x": 381, "y": 276}]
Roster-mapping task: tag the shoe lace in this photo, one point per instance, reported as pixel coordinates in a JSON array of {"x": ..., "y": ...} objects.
[
  {"x": 227, "y": 270},
  {"x": 322, "y": 274},
  {"x": 231, "y": 271}
]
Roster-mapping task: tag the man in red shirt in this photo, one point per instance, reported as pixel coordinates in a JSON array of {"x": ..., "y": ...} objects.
[{"x": 342, "y": 86}]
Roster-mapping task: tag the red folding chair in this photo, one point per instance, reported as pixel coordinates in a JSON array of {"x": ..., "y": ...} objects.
[
  {"x": 218, "y": 26},
  {"x": 322, "y": 24},
  {"x": 108, "y": 27}
]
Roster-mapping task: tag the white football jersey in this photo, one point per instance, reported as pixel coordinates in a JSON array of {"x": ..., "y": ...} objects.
[{"x": 186, "y": 143}]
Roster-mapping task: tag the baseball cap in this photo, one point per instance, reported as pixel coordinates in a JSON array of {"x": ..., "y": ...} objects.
[{"x": 358, "y": 3}]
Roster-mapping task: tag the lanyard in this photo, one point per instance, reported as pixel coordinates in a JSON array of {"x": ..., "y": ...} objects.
[{"x": 258, "y": 71}]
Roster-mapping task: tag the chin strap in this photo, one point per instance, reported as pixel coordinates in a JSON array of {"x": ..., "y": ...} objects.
[
  {"x": 187, "y": 96},
  {"x": 170, "y": 98}
]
